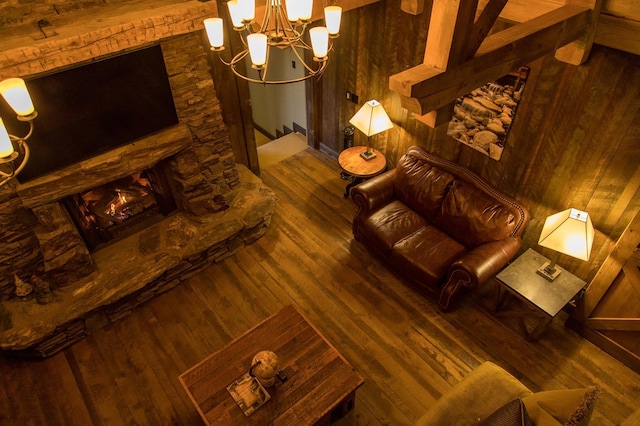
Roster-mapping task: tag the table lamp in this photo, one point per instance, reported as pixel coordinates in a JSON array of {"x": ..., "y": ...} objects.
[
  {"x": 371, "y": 119},
  {"x": 568, "y": 232}
]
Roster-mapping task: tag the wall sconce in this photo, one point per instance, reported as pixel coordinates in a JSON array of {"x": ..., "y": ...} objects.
[
  {"x": 568, "y": 232},
  {"x": 15, "y": 92},
  {"x": 371, "y": 119}
]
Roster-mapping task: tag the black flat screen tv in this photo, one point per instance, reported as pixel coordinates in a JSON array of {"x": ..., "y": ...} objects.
[{"x": 91, "y": 109}]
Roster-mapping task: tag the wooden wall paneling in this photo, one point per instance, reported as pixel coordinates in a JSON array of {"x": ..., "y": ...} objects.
[
  {"x": 234, "y": 96},
  {"x": 414, "y": 30},
  {"x": 543, "y": 146},
  {"x": 332, "y": 110},
  {"x": 610, "y": 151}
]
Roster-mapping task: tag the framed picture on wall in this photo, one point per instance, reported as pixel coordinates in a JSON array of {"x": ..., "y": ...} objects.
[{"x": 482, "y": 118}]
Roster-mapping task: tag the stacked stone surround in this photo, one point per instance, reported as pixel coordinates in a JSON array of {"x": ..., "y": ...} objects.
[
  {"x": 14, "y": 12},
  {"x": 221, "y": 206}
]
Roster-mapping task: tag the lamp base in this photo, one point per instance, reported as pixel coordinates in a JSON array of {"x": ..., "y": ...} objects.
[
  {"x": 368, "y": 155},
  {"x": 548, "y": 273}
]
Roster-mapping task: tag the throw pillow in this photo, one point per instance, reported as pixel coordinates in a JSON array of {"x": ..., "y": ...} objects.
[
  {"x": 570, "y": 407},
  {"x": 511, "y": 414}
]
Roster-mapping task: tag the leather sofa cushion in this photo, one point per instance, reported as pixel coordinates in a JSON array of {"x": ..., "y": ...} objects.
[
  {"x": 472, "y": 217},
  {"x": 426, "y": 255},
  {"x": 389, "y": 224},
  {"x": 421, "y": 186}
]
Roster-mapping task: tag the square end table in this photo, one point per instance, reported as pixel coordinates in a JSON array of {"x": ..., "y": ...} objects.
[{"x": 543, "y": 299}]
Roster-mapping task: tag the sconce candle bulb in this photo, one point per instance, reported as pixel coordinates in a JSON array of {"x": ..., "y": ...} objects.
[
  {"x": 6, "y": 147},
  {"x": 14, "y": 91},
  {"x": 14, "y": 151}
]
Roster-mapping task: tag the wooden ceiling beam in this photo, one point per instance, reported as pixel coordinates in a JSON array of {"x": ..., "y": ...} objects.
[
  {"x": 617, "y": 27},
  {"x": 447, "y": 44},
  {"x": 431, "y": 88},
  {"x": 318, "y": 8}
]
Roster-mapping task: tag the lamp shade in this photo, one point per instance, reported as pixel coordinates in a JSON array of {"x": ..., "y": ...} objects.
[
  {"x": 15, "y": 92},
  {"x": 371, "y": 119},
  {"x": 569, "y": 232},
  {"x": 214, "y": 29},
  {"x": 6, "y": 147}
]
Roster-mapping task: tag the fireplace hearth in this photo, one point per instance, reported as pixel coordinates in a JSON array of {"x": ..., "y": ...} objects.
[{"x": 115, "y": 210}]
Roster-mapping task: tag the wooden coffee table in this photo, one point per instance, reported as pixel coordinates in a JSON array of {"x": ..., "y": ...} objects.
[{"x": 320, "y": 385}]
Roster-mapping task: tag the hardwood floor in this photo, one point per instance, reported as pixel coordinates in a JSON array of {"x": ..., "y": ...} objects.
[{"x": 408, "y": 352}]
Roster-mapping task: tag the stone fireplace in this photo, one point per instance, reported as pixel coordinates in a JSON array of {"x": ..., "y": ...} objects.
[{"x": 55, "y": 287}]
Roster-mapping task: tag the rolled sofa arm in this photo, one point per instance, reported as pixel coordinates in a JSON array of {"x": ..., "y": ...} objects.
[
  {"x": 374, "y": 192},
  {"x": 476, "y": 267}
]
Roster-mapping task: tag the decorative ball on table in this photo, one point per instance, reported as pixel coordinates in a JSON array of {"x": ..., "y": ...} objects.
[{"x": 264, "y": 367}]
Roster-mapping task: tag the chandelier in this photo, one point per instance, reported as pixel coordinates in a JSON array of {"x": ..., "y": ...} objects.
[
  {"x": 283, "y": 26},
  {"x": 14, "y": 151}
]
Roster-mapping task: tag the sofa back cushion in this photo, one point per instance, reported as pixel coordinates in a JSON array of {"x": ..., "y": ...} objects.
[
  {"x": 421, "y": 186},
  {"x": 473, "y": 217}
]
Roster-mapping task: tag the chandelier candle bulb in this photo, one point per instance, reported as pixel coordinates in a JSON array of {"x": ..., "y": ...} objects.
[
  {"x": 247, "y": 10},
  {"x": 293, "y": 10},
  {"x": 235, "y": 11},
  {"x": 305, "y": 9},
  {"x": 332, "y": 17},
  {"x": 6, "y": 147},
  {"x": 15, "y": 92},
  {"x": 214, "y": 29},
  {"x": 319, "y": 42},
  {"x": 257, "y": 49}
]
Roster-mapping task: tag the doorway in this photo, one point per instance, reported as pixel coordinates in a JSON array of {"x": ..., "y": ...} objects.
[{"x": 279, "y": 110}]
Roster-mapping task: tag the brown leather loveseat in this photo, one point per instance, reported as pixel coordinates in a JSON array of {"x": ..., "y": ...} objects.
[{"x": 437, "y": 224}]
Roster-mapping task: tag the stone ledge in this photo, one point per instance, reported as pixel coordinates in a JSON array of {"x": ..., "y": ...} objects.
[{"x": 136, "y": 269}]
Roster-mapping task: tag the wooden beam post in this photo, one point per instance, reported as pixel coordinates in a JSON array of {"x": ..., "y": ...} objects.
[
  {"x": 447, "y": 42},
  {"x": 576, "y": 53},
  {"x": 412, "y": 7}
]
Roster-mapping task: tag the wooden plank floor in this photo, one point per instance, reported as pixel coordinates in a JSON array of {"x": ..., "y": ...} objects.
[{"x": 408, "y": 352}]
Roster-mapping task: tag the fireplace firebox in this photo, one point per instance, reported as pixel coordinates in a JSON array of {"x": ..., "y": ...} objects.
[{"x": 113, "y": 211}]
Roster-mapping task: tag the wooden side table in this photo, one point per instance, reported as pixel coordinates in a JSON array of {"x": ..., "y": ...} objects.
[
  {"x": 542, "y": 299},
  {"x": 357, "y": 169}
]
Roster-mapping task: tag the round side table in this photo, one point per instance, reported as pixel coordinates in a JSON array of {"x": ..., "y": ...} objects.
[{"x": 357, "y": 169}]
